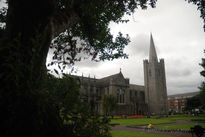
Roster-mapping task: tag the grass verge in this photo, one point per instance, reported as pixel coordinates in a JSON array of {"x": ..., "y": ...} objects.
[
  {"x": 133, "y": 134},
  {"x": 180, "y": 126},
  {"x": 154, "y": 120},
  {"x": 185, "y": 117},
  {"x": 140, "y": 121}
]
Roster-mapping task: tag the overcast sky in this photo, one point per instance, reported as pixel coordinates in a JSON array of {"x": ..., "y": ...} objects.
[
  {"x": 178, "y": 35},
  {"x": 179, "y": 38}
]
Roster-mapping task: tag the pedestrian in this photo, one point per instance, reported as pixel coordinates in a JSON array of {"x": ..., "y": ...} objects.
[{"x": 149, "y": 126}]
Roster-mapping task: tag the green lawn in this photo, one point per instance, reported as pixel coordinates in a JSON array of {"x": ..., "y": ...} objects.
[
  {"x": 141, "y": 121},
  {"x": 180, "y": 126},
  {"x": 133, "y": 134},
  {"x": 185, "y": 117},
  {"x": 153, "y": 120}
]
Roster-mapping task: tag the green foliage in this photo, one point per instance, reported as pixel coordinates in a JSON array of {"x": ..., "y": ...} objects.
[
  {"x": 133, "y": 134},
  {"x": 89, "y": 32},
  {"x": 202, "y": 94},
  {"x": 203, "y": 65},
  {"x": 65, "y": 94},
  {"x": 193, "y": 102},
  {"x": 79, "y": 120},
  {"x": 28, "y": 106},
  {"x": 202, "y": 87},
  {"x": 109, "y": 103}
]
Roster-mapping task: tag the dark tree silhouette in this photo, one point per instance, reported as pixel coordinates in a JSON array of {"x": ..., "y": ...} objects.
[
  {"x": 24, "y": 44},
  {"x": 202, "y": 87}
]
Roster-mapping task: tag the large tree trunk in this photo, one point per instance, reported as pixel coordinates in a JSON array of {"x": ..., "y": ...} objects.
[{"x": 23, "y": 54}]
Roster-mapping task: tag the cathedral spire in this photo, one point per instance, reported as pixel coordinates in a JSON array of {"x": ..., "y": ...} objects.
[{"x": 152, "y": 51}]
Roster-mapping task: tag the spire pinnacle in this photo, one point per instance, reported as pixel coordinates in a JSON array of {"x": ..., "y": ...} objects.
[{"x": 152, "y": 51}]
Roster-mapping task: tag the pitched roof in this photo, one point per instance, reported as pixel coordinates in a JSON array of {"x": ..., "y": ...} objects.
[
  {"x": 118, "y": 75},
  {"x": 136, "y": 87}
]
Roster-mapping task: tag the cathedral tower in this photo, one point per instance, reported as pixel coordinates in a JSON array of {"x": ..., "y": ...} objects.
[{"x": 155, "y": 83}]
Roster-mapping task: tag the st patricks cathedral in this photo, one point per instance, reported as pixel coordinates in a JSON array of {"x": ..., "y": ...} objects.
[{"x": 150, "y": 99}]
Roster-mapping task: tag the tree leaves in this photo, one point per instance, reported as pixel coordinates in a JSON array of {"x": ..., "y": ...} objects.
[
  {"x": 109, "y": 103},
  {"x": 56, "y": 71},
  {"x": 77, "y": 115},
  {"x": 90, "y": 35},
  {"x": 201, "y": 7},
  {"x": 202, "y": 87}
]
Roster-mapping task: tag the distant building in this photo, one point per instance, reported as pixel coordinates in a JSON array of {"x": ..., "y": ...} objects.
[
  {"x": 132, "y": 99},
  {"x": 177, "y": 102}
]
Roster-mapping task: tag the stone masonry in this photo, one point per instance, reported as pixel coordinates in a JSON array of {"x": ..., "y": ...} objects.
[
  {"x": 155, "y": 83},
  {"x": 132, "y": 99}
]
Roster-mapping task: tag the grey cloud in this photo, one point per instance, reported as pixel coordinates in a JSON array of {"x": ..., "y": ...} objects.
[
  {"x": 178, "y": 72},
  {"x": 88, "y": 63},
  {"x": 139, "y": 46},
  {"x": 182, "y": 86},
  {"x": 178, "y": 37}
]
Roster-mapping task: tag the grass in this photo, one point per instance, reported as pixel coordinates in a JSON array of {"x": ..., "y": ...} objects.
[
  {"x": 140, "y": 121},
  {"x": 133, "y": 134},
  {"x": 153, "y": 120},
  {"x": 180, "y": 126},
  {"x": 185, "y": 117}
]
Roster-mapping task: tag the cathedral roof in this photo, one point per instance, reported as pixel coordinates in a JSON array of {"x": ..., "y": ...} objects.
[
  {"x": 136, "y": 87},
  {"x": 117, "y": 79},
  {"x": 152, "y": 51},
  {"x": 114, "y": 79},
  {"x": 115, "y": 76}
]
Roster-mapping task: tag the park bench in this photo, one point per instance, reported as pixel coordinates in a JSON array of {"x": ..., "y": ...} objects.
[{"x": 197, "y": 130}]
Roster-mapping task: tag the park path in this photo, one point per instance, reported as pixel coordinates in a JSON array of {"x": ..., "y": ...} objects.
[{"x": 156, "y": 132}]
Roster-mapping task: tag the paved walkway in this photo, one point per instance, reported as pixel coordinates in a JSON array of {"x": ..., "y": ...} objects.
[{"x": 157, "y": 132}]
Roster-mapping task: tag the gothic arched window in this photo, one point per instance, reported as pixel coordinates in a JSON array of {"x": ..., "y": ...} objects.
[{"x": 120, "y": 96}]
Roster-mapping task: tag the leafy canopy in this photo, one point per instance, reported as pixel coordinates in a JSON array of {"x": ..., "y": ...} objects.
[
  {"x": 69, "y": 27},
  {"x": 202, "y": 87},
  {"x": 90, "y": 33},
  {"x": 109, "y": 103},
  {"x": 78, "y": 117}
]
